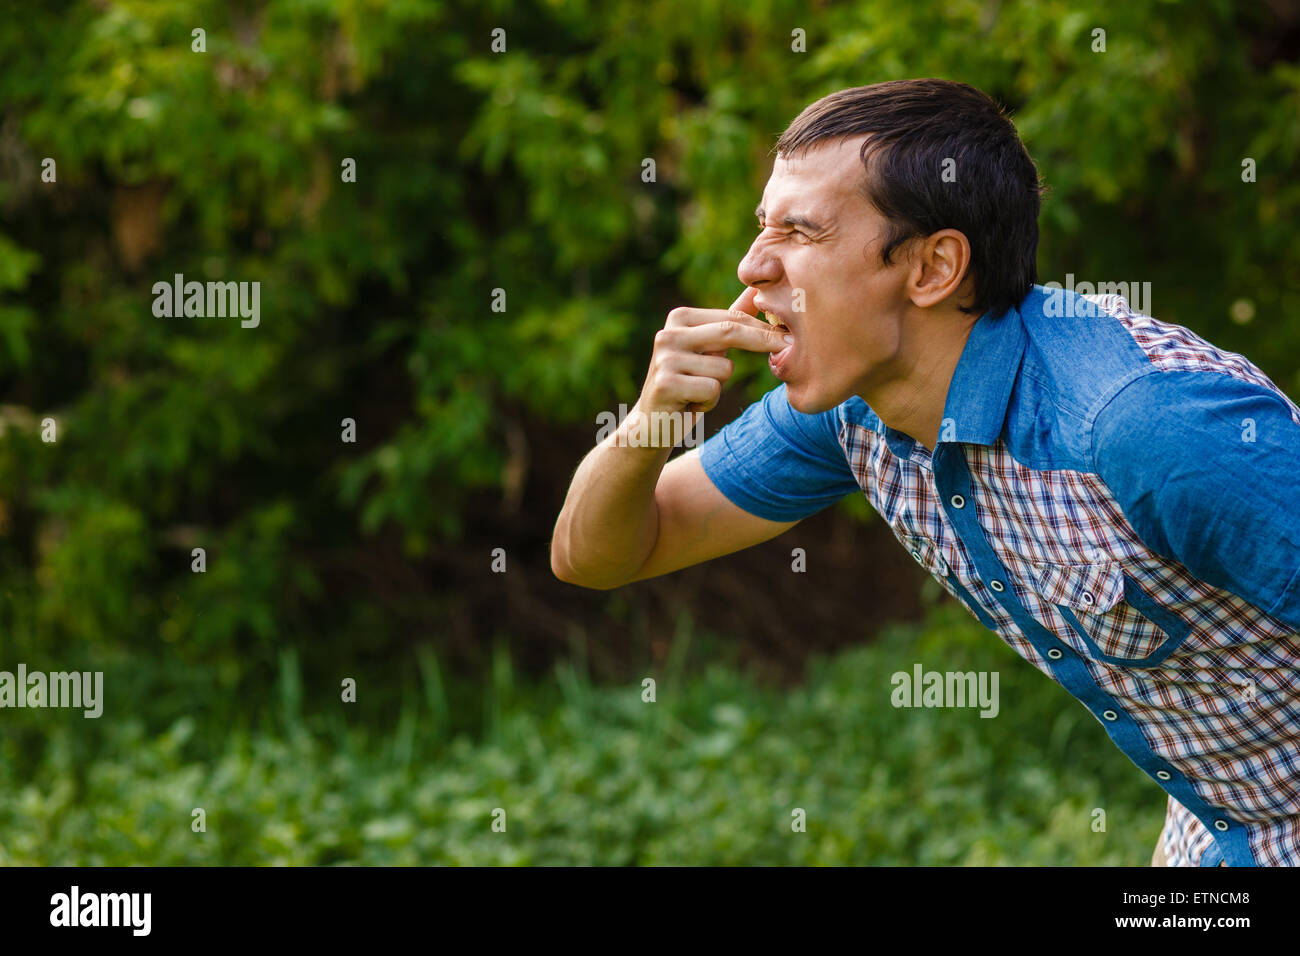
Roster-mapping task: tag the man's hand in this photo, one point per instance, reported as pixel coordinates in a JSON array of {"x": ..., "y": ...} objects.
[
  {"x": 689, "y": 365},
  {"x": 628, "y": 516}
]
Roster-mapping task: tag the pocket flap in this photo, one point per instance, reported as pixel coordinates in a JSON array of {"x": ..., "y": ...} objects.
[
  {"x": 927, "y": 554},
  {"x": 1091, "y": 588}
]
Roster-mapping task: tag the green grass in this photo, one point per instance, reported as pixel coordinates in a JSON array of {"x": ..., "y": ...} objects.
[{"x": 708, "y": 774}]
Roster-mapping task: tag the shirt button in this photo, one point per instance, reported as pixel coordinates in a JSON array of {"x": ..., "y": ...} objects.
[
  {"x": 1163, "y": 774},
  {"x": 1054, "y": 654},
  {"x": 997, "y": 585},
  {"x": 1086, "y": 597},
  {"x": 1110, "y": 715},
  {"x": 958, "y": 501},
  {"x": 1220, "y": 825}
]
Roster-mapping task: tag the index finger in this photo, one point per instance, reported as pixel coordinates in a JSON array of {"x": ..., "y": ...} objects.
[{"x": 715, "y": 338}]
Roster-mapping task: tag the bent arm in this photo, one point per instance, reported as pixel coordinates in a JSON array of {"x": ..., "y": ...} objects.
[{"x": 628, "y": 517}]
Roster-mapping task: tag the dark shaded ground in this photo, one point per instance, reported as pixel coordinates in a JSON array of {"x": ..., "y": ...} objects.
[{"x": 770, "y": 618}]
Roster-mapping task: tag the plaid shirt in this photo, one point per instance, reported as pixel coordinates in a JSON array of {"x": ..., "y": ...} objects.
[{"x": 1118, "y": 499}]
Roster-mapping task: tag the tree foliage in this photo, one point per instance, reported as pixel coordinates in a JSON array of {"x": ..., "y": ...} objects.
[{"x": 478, "y": 170}]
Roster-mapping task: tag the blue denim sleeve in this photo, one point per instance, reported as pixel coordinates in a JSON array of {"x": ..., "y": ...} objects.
[
  {"x": 779, "y": 463},
  {"x": 1206, "y": 468}
]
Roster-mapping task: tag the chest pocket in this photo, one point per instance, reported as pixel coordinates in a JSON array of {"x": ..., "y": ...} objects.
[
  {"x": 1118, "y": 621},
  {"x": 931, "y": 557},
  {"x": 927, "y": 554}
]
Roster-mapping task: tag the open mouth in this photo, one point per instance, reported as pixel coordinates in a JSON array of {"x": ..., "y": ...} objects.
[{"x": 778, "y": 362}]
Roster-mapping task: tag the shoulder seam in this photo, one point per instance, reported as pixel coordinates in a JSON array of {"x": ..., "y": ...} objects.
[
  {"x": 1124, "y": 383},
  {"x": 1103, "y": 403}
]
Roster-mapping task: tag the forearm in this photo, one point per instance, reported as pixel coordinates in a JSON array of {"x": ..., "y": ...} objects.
[{"x": 610, "y": 522}]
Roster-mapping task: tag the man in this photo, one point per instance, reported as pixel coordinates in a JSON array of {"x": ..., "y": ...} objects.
[{"x": 1114, "y": 496}]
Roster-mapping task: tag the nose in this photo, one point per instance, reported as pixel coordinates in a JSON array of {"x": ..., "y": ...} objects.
[{"x": 759, "y": 265}]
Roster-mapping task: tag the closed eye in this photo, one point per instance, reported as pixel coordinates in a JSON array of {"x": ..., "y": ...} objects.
[{"x": 796, "y": 232}]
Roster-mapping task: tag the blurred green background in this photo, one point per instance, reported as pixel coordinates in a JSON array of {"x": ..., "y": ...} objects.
[{"x": 522, "y": 171}]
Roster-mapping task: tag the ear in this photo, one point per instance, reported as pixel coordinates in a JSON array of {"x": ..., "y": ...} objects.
[{"x": 940, "y": 266}]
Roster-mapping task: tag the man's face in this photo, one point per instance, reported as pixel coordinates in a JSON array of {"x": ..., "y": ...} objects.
[{"x": 821, "y": 236}]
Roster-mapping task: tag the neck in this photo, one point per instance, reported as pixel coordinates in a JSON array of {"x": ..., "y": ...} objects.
[{"x": 911, "y": 398}]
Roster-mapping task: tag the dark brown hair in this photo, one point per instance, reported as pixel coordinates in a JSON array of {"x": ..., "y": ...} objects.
[{"x": 916, "y": 125}]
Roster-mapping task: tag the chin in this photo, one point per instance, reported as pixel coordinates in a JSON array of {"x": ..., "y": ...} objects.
[{"x": 806, "y": 401}]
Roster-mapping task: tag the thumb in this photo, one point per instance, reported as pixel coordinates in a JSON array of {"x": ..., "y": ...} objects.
[{"x": 745, "y": 303}]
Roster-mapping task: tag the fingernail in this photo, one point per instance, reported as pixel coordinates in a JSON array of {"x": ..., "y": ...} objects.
[{"x": 789, "y": 340}]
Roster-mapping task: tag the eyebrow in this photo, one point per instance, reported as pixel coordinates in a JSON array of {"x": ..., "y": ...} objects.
[{"x": 794, "y": 220}]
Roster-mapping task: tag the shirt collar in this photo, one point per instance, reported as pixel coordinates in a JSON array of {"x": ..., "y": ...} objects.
[
  {"x": 981, "y": 385},
  {"x": 986, "y": 373}
]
